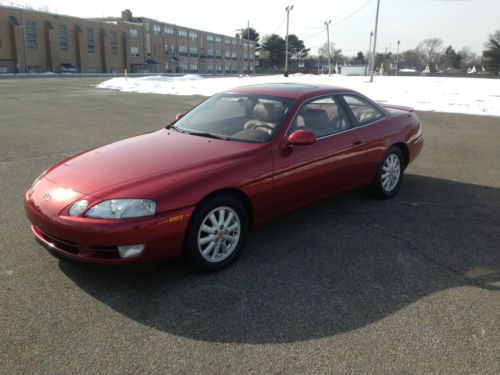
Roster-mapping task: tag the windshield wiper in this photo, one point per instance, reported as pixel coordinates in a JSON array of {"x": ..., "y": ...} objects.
[
  {"x": 172, "y": 126},
  {"x": 204, "y": 134}
]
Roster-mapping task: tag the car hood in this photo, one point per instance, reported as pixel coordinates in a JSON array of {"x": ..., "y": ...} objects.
[{"x": 136, "y": 158}]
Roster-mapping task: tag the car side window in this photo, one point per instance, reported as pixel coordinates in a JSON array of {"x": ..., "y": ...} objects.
[
  {"x": 321, "y": 117},
  {"x": 362, "y": 111}
]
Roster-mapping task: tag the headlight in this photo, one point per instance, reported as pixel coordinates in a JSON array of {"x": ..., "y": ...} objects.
[
  {"x": 122, "y": 208},
  {"x": 78, "y": 207}
]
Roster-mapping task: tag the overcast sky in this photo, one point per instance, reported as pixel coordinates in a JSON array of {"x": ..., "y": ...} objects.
[{"x": 457, "y": 22}]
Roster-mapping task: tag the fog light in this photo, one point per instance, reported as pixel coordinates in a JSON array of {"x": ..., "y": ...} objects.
[{"x": 131, "y": 251}]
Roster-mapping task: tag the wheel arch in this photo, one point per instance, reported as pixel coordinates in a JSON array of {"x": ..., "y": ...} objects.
[
  {"x": 404, "y": 150},
  {"x": 236, "y": 193}
]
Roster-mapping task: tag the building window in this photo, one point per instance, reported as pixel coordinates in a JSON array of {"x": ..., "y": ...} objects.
[
  {"x": 63, "y": 38},
  {"x": 193, "y": 35},
  {"x": 218, "y": 54},
  {"x": 156, "y": 29},
  {"x": 194, "y": 68},
  {"x": 184, "y": 68},
  {"x": 233, "y": 55},
  {"x": 148, "y": 44},
  {"x": 227, "y": 54},
  {"x": 227, "y": 42},
  {"x": 193, "y": 51},
  {"x": 210, "y": 38},
  {"x": 183, "y": 33},
  {"x": 133, "y": 33},
  {"x": 218, "y": 68},
  {"x": 210, "y": 52},
  {"x": 30, "y": 29},
  {"x": 234, "y": 42},
  {"x": 183, "y": 50},
  {"x": 169, "y": 30},
  {"x": 218, "y": 39},
  {"x": 114, "y": 44},
  {"x": 134, "y": 51},
  {"x": 90, "y": 41},
  {"x": 227, "y": 68}
]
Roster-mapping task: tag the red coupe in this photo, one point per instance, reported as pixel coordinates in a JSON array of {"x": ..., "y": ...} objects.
[{"x": 197, "y": 186}]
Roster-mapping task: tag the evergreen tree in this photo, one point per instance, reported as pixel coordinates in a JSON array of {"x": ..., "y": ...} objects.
[
  {"x": 275, "y": 47},
  {"x": 491, "y": 55},
  {"x": 251, "y": 34}
]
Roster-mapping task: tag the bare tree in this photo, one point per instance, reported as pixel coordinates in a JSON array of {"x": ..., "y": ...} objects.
[
  {"x": 430, "y": 51},
  {"x": 469, "y": 58},
  {"x": 411, "y": 59},
  {"x": 335, "y": 53}
]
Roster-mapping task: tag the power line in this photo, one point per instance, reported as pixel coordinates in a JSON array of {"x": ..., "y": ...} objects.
[
  {"x": 308, "y": 27},
  {"x": 281, "y": 23},
  {"x": 353, "y": 13},
  {"x": 315, "y": 34}
]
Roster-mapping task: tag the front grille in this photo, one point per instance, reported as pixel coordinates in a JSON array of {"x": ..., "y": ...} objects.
[
  {"x": 59, "y": 243},
  {"x": 107, "y": 252}
]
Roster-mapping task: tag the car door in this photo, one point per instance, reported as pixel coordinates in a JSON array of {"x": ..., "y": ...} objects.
[
  {"x": 369, "y": 118},
  {"x": 334, "y": 163}
]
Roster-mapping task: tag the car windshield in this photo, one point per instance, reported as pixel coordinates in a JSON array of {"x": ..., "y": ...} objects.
[{"x": 241, "y": 117}]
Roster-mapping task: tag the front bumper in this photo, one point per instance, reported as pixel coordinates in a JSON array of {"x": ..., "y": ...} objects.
[{"x": 97, "y": 240}]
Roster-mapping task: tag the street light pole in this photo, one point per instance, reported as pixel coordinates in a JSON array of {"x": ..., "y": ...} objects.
[
  {"x": 370, "y": 53},
  {"x": 288, "y": 9},
  {"x": 374, "y": 42},
  {"x": 327, "y": 24},
  {"x": 397, "y": 59}
]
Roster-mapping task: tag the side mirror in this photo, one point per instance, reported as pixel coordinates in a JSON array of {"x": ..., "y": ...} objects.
[
  {"x": 300, "y": 138},
  {"x": 179, "y": 116}
]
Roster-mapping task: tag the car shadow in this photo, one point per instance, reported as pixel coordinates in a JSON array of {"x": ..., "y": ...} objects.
[{"x": 320, "y": 271}]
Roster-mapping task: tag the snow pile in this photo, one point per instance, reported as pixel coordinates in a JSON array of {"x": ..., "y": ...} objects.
[{"x": 478, "y": 96}]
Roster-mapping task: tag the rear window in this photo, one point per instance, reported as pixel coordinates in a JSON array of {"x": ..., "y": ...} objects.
[{"x": 363, "y": 111}]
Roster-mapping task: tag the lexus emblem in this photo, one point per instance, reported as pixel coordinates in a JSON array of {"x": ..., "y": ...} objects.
[{"x": 47, "y": 197}]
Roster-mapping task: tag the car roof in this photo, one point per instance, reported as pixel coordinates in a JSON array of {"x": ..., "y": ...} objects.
[{"x": 289, "y": 90}]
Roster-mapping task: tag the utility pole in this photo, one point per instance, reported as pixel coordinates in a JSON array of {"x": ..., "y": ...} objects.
[
  {"x": 318, "y": 59},
  {"x": 375, "y": 42},
  {"x": 397, "y": 59},
  {"x": 288, "y": 9},
  {"x": 370, "y": 53},
  {"x": 248, "y": 47},
  {"x": 327, "y": 24}
]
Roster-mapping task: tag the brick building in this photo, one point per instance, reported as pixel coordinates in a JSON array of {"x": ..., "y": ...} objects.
[{"x": 33, "y": 41}]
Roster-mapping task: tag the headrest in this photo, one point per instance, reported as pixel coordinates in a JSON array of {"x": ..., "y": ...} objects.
[
  {"x": 264, "y": 112},
  {"x": 315, "y": 118}
]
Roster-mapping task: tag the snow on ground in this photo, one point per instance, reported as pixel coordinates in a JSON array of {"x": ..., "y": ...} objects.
[{"x": 477, "y": 96}]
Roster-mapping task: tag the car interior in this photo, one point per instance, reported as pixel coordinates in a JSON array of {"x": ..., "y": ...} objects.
[{"x": 322, "y": 117}]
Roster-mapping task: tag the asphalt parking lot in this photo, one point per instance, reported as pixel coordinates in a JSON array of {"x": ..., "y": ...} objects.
[{"x": 350, "y": 285}]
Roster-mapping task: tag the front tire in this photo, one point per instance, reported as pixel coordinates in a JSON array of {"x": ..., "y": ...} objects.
[
  {"x": 390, "y": 174},
  {"x": 217, "y": 233}
]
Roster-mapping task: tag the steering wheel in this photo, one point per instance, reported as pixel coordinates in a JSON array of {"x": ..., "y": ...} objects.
[{"x": 264, "y": 127}]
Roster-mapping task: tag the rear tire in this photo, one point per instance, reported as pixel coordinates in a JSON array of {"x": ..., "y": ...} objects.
[
  {"x": 216, "y": 233},
  {"x": 390, "y": 174}
]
